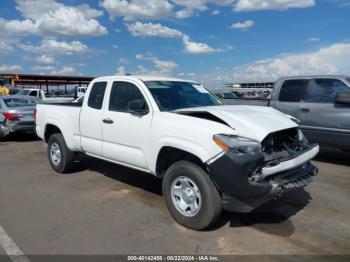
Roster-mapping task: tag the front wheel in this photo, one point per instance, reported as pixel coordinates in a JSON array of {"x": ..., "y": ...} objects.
[
  {"x": 60, "y": 157},
  {"x": 190, "y": 195}
]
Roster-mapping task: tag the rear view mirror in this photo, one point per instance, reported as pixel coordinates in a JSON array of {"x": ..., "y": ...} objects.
[
  {"x": 138, "y": 107},
  {"x": 343, "y": 98}
]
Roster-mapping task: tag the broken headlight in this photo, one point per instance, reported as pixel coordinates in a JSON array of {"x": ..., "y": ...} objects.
[{"x": 237, "y": 145}]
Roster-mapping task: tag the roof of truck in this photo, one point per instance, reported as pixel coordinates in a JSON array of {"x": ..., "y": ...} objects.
[
  {"x": 315, "y": 76},
  {"x": 144, "y": 78}
]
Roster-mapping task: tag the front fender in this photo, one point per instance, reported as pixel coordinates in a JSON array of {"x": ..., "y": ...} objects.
[{"x": 186, "y": 145}]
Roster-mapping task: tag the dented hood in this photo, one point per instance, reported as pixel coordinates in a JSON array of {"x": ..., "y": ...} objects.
[{"x": 254, "y": 122}]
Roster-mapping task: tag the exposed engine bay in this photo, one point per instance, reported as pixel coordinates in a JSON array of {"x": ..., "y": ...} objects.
[
  {"x": 279, "y": 147},
  {"x": 283, "y": 145}
]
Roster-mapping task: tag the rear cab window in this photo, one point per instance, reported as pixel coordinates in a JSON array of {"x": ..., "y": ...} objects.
[
  {"x": 293, "y": 90},
  {"x": 97, "y": 94}
]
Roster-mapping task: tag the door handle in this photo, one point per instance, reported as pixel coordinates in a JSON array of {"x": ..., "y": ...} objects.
[
  {"x": 107, "y": 121},
  {"x": 305, "y": 109}
]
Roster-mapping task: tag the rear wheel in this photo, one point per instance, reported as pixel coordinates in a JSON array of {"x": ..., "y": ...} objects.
[
  {"x": 190, "y": 195},
  {"x": 60, "y": 157}
]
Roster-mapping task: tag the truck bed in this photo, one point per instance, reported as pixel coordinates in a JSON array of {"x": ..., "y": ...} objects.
[{"x": 62, "y": 115}]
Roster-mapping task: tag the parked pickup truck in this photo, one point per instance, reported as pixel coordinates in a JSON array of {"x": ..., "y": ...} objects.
[
  {"x": 210, "y": 156},
  {"x": 41, "y": 95},
  {"x": 321, "y": 103}
]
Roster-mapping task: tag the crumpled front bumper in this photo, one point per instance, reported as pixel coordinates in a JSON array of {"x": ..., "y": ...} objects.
[{"x": 232, "y": 173}]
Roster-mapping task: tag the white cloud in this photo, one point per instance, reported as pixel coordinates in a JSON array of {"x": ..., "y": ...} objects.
[
  {"x": 150, "y": 29},
  {"x": 64, "y": 70},
  {"x": 243, "y": 26},
  {"x": 191, "y": 7},
  {"x": 255, "y": 5},
  {"x": 115, "y": 46},
  {"x": 44, "y": 59},
  {"x": 222, "y": 2},
  {"x": 162, "y": 67},
  {"x": 157, "y": 9},
  {"x": 197, "y": 48},
  {"x": 53, "y": 46},
  {"x": 6, "y": 47},
  {"x": 314, "y": 39},
  {"x": 192, "y": 4},
  {"x": 10, "y": 68},
  {"x": 333, "y": 59},
  {"x": 123, "y": 61},
  {"x": 165, "y": 66},
  {"x": 43, "y": 68},
  {"x": 18, "y": 28},
  {"x": 51, "y": 18},
  {"x": 137, "y": 9},
  {"x": 184, "y": 13},
  {"x": 121, "y": 71}
]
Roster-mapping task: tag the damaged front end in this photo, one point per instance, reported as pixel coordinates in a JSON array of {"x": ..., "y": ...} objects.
[{"x": 248, "y": 180}]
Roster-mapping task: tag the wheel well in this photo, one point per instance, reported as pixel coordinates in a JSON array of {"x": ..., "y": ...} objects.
[
  {"x": 50, "y": 130},
  {"x": 170, "y": 155}
]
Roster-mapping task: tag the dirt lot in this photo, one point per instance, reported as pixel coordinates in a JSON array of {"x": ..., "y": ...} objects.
[{"x": 103, "y": 208}]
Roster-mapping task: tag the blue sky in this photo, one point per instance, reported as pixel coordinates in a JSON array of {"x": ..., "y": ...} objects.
[{"x": 211, "y": 41}]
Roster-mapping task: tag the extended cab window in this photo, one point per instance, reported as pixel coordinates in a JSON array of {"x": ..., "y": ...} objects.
[
  {"x": 97, "y": 94},
  {"x": 324, "y": 90},
  {"x": 121, "y": 94},
  {"x": 292, "y": 90}
]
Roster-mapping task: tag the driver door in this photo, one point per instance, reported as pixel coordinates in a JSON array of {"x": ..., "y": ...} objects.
[{"x": 126, "y": 136}]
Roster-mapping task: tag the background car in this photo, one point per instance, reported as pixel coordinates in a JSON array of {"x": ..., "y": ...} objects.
[{"x": 17, "y": 114}]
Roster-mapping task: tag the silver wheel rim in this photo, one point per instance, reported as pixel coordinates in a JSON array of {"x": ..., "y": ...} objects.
[
  {"x": 55, "y": 154},
  {"x": 186, "y": 196}
]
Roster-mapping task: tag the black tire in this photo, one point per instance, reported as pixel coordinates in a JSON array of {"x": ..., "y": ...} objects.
[
  {"x": 211, "y": 202},
  {"x": 67, "y": 157}
]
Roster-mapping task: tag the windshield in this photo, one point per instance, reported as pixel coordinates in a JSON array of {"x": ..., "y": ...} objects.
[
  {"x": 17, "y": 102},
  {"x": 348, "y": 79},
  {"x": 172, "y": 95},
  {"x": 23, "y": 92}
]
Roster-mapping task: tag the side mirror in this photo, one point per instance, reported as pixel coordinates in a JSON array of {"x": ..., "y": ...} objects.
[
  {"x": 138, "y": 107},
  {"x": 342, "y": 98}
]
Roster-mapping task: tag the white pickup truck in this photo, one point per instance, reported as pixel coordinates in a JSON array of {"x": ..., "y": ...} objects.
[{"x": 210, "y": 156}]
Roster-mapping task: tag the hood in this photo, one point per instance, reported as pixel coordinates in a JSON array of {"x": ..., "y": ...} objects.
[{"x": 254, "y": 122}]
